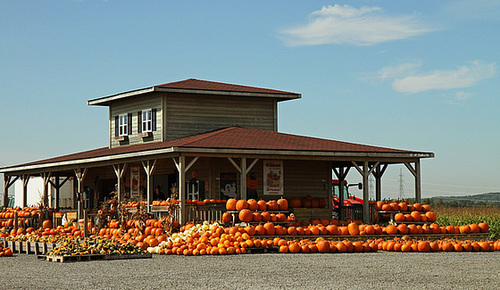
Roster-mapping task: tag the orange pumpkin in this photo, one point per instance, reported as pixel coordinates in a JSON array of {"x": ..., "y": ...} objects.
[
  {"x": 282, "y": 204},
  {"x": 231, "y": 204},
  {"x": 353, "y": 229},
  {"x": 245, "y": 215},
  {"x": 253, "y": 205},
  {"x": 323, "y": 246},
  {"x": 47, "y": 224},
  {"x": 241, "y": 204}
]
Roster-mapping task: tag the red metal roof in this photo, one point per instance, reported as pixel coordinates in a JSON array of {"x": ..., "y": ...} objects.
[
  {"x": 194, "y": 84},
  {"x": 200, "y": 87},
  {"x": 233, "y": 138}
]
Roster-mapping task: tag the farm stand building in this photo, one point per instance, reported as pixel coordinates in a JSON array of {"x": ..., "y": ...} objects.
[{"x": 208, "y": 135}]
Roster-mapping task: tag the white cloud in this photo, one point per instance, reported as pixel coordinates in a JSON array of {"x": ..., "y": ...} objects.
[
  {"x": 462, "y": 96},
  {"x": 348, "y": 25},
  {"x": 463, "y": 77},
  {"x": 392, "y": 72}
]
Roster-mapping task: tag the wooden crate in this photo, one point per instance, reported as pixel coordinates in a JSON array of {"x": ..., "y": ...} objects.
[{"x": 309, "y": 214}]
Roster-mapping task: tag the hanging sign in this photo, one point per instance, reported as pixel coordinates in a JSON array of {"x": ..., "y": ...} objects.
[
  {"x": 228, "y": 185},
  {"x": 273, "y": 177},
  {"x": 135, "y": 181}
]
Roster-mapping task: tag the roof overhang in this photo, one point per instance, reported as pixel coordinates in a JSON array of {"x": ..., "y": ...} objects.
[
  {"x": 383, "y": 157},
  {"x": 105, "y": 101}
]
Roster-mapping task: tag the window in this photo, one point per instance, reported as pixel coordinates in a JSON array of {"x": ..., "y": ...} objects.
[
  {"x": 123, "y": 125},
  {"x": 147, "y": 120}
]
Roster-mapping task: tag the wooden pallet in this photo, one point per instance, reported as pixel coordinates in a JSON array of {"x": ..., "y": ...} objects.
[
  {"x": 475, "y": 236},
  {"x": 254, "y": 250},
  {"x": 95, "y": 257}
]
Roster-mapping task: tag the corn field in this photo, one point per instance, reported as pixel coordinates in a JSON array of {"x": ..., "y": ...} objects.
[{"x": 470, "y": 215}]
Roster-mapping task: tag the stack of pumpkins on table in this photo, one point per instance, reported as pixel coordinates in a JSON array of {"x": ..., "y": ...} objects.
[
  {"x": 265, "y": 225},
  {"x": 403, "y": 211},
  {"x": 257, "y": 211},
  {"x": 24, "y": 215}
]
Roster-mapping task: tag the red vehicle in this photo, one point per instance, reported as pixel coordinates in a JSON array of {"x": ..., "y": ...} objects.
[{"x": 349, "y": 200}]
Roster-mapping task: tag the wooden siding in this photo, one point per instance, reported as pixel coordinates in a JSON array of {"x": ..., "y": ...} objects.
[
  {"x": 188, "y": 115},
  {"x": 133, "y": 106},
  {"x": 302, "y": 178}
]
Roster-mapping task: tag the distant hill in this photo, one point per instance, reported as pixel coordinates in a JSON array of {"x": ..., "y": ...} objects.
[{"x": 486, "y": 197}]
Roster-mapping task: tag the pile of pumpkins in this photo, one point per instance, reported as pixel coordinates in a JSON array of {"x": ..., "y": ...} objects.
[
  {"x": 257, "y": 211},
  {"x": 404, "y": 211},
  {"x": 5, "y": 252}
]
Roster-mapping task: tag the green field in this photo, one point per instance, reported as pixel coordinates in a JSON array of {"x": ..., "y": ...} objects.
[{"x": 470, "y": 215}]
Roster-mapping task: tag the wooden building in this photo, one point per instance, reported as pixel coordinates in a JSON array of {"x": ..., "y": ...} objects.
[{"x": 214, "y": 135}]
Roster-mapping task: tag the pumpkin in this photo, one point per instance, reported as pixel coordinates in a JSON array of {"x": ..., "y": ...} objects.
[
  {"x": 231, "y": 204},
  {"x": 402, "y": 229},
  {"x": 226, "y": 218},
  {"x": 256, "y": 217},
  {"x": 47, "y": 224},
  {"x": 253, "y": 205},
  {"x": 266, "y": 216},
  {"x": 245, "y": 215},
  {"x": 391, "y": 229},
  {"x": 306, "y": 203},
  {"x": 332, "y": 229},
  {"x": 353, "y": 229},
  {"x": 431, "y": 216},
  {"x": 403, "y": 206},
  {"x": 386, "y": 207},
  {"x": 483, "y": 227},
  {"x": 262, "y": 205},
  {"x": 260, "y": 230},
  {"x": 323, "y": 246},
  {"x": 415, "y": 215},
  {"x": 272, "y": 205},
  {"x": 269, "y": 228},
  {"x": 295, "y": 203},
  {"x": 282, "y": 204},
  {"x": 424, "y": 246},
  {"x": 399, "y": 217},
  {"x": 241, "y": 204}
]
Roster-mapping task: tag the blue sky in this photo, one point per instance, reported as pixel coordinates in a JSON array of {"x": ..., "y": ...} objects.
[{"x": 419, "y": 75}]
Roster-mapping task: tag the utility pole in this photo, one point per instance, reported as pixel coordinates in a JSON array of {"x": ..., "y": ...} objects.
[
  {"x": 401, "y": 195},
  {"x": 371, "y": 182}
]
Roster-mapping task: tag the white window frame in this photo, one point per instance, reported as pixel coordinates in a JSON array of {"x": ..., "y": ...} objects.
[
  {"x": 123, "y": 125},
  {"x": 147, "y": 120}
]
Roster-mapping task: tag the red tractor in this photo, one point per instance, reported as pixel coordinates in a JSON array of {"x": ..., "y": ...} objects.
[{"x": 349, "y": 200}]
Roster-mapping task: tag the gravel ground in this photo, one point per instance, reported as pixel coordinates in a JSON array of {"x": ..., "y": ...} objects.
[{"x": 386, "y": 270}]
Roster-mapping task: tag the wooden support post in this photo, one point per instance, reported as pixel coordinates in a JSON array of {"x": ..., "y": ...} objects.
[
  {"x": 85, "y": 223},
  {"x": 119, "y": 172},
  {"x": 418, "y": 183},
  {"x": 57, "y": 187},
  {"x": 378, "y": 172},
  {"x": 416, "y": 173},
  {"x": 149, "y": 168},
  {"x": 80, "y": 177},
  {"x": 365, "y": 172},
  {"x": 243, "y": 179},
  {"x": 243, "y": 169},
  {"x": 7, "y": 183},
  {"x": 182, "y": 189},
  {"x": 25, "y": 178},
  {"x": 366, "y": 195},
  {"x": 57, "y": 184},
  {"x": 46, "y": 177},
  {"x": 330, "y": 192},
  {"x": 16, "y": 220}
]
